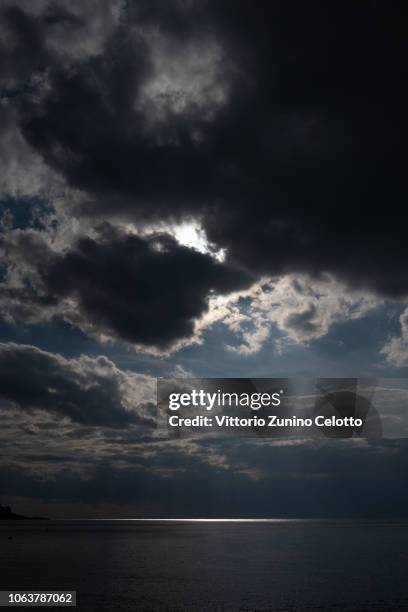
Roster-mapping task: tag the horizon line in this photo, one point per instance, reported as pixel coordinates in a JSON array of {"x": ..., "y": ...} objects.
[{"x": 234, "y": 520}]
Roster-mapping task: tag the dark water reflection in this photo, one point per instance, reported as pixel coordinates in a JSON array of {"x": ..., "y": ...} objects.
[{"x": 217, "y": 566}]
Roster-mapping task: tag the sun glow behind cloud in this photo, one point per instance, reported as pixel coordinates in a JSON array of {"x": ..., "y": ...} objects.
[{"x": 191, "y": 234}]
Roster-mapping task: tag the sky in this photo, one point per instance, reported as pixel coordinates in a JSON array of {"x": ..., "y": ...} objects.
[{"x": 197, "y": 188}]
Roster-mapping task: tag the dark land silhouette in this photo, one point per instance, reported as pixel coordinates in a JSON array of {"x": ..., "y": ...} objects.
[{"x": 7, "y": 514}]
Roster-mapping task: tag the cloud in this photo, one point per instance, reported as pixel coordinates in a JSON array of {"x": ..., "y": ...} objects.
[
  {"x": 159, "y": 295},
  {"x": 148, "y": 290},
  {"x": 89, "y": 391},
  {"x": 396, "y": 349},
  {"x": 23, "y": 170},
  {"x": 22, "y": 48},
  {"x": 143, "y": 146},
  {"x": 302, "y": 307},
  {"x": 36, "y": 35},
  {"x": 259, "y": 122},
  {"x": 364, "y": 480},
  {"x": 256, "y": 126}
]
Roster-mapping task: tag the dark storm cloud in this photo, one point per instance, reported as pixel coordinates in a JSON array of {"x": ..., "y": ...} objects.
[
  {"x": 299, "y": 168},
  {"x": 22, "y": 48},
  {"x": 147, "y": 290},
  {"x": 88, "y": 391}
]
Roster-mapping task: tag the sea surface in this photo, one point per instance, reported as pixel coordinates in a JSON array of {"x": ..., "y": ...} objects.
[{"x": 275, "y": 565}]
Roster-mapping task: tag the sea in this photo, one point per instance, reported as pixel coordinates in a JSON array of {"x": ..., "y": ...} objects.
[{"x": 211, "y": 565}]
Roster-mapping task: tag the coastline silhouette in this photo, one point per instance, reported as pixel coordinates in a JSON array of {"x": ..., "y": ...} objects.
[{"x": 7, "y": 514}]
